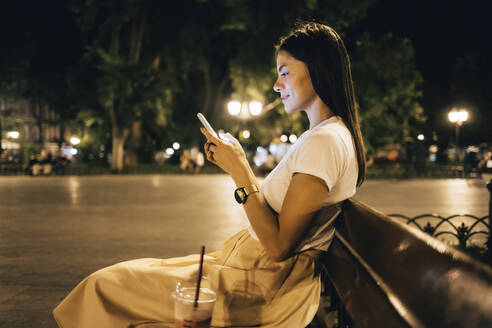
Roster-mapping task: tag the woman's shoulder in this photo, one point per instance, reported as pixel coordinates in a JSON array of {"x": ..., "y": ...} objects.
[
  {"x": 327, "y": 133},
  {"x": 330, "y": 140}
]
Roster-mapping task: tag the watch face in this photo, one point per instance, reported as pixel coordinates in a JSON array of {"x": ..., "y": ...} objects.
[{"x": 239, "y": 195}]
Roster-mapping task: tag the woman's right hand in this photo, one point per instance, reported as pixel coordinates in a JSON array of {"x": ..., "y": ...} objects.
[{"x": 228, "y": 155}]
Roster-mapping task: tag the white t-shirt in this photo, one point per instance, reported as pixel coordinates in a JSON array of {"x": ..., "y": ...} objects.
[{"x": 326, "y": 151}]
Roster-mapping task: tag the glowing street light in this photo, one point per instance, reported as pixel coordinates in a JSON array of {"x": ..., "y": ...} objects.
[
  {"x": 169, "y": 151},
  {"x": 292, "y": 138},
  {"x": 244, "y": 110},
  {"x": 246, "y": 134},
  {"x": 74, "y": 141},
  {"x": 420, "y": 137},
  {"x": 13, "y": 134},
  {"x": 234, "y": 107},
  {"x": 458, "y": 117},
  {"x": 176, "y": 145},
  {"x": 255, "y": 108},
  {"x": 284, "y": 138}
]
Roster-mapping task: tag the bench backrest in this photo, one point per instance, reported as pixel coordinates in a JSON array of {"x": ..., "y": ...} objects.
[{"x": 390, "y": 275}]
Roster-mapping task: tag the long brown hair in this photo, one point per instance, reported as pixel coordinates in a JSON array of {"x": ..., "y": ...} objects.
[{"x": 325, "y": 55}]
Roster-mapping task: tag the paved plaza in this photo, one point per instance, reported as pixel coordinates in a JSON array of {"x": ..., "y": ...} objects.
[{"x": 54, "y": 231}]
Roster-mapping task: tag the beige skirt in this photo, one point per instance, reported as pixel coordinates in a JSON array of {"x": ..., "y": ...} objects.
[{"x": 252, "y": 290}]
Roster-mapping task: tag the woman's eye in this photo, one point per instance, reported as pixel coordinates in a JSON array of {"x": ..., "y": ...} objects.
[{"x": 284, "y": 74}]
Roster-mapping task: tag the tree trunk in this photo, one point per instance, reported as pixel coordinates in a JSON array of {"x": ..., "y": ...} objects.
[
  {"x": 119, "y": 138},
  {"x": 119, "y": 134},
  {"x": 132, "y": 145},
  {"x": 38, "y": 115},
  {"x": 61, "y": 137},
  {"x": 136, "y": 37}
]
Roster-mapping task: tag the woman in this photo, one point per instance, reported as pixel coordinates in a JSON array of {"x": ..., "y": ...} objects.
[{"x": 264, "y": 276}]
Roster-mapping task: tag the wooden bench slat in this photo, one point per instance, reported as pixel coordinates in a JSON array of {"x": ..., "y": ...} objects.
[
  {"x": 354, "y": 284},
  {"x": 390, "y": 275}
]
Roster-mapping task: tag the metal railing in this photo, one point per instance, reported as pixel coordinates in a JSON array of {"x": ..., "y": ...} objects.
[{"x": 447, "y": 226}]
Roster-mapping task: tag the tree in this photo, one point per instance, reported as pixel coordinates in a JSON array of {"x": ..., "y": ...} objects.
[
  {"x": 388, "y": 87},
  {"x": 200, "y": 52},
  {"x": 128, "y": 83},
  {"x": 39, "y": 68}
]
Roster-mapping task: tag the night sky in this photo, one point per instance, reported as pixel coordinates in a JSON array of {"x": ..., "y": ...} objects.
[{"x": 444, "y": 34}]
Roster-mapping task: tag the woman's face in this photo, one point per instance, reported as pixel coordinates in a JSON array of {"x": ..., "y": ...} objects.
[{"x": 293, "y": 83}]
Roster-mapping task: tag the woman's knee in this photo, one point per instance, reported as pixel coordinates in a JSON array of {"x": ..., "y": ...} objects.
[{"x": 102, "y": 278}]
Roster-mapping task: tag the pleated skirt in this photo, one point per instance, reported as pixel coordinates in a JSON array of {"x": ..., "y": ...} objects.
[{"x": 252, "y": 290}]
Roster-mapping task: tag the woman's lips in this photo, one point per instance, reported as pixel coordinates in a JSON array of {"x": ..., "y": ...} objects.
[{"x": 284, "y": 97}]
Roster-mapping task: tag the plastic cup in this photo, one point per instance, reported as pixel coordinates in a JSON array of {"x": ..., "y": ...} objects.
[{"x": 186, "y": 315}]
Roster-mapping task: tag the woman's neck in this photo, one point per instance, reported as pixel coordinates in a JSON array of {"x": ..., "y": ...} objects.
[{"x": 318, "y": 112}]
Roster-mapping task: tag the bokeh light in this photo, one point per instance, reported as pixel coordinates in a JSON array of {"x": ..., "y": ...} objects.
[
  {"x": 255, "y": 108},
  {"x": 234, "y": 107},
  {"x": 74, "y": 141},
  {"x": 246, "y": 134},
  {"x": 13, "y": 134}
]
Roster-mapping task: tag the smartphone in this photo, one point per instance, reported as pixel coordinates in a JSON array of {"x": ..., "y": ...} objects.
[{"x": 206, "y": 125}]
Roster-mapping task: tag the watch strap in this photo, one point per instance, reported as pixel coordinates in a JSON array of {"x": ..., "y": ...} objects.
[
  {"x": 241, "y": 194},
  {"x": 251, "y": 189}
]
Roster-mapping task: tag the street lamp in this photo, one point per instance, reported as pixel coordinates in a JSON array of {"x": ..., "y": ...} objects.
[
  {"x": 255, "y": 108},
  {"x": 169, "y": 151},
  {"x": 244, "y": 110},
  {"x": 74, "y": 141},
  {"x": 246, "y": 134},
  {"x": 13, "y": 134},
  {"x": 234, "y": 107},
  {"x": 458, "y": 117}
]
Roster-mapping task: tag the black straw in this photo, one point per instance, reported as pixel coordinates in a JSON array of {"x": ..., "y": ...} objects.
[{"x": 200, "y": 270}]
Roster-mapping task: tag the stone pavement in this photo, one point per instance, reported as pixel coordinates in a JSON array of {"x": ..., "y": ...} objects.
[{"x": 54, "y": 231}]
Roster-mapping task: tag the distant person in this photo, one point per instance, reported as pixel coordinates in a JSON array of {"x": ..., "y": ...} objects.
[
  {"x": 37, "y": 167},
  {"x": 60, "y": 163},
  {"x": 199, "y": 161},
  {"x": 42, "y": 164},
  {"x": 30, "y": 164},
  {"x": 186, "y": 163},
  {"x": 264, "y": 276},
  {"x": 193, "y": 159},
  {"x": 48, "y": 164}
]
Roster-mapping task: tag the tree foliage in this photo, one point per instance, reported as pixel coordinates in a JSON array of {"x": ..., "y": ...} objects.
[
  {"x": 140, "y": 70},
  {"x": 253, "y": 69},
  {"x": 388, "y": 87}
]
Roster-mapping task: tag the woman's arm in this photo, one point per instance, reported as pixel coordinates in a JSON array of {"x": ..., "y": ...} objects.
[{"x": 281, "y": 234}]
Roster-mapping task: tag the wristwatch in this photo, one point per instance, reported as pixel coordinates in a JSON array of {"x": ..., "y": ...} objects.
[{"x": 241, "y": 194}]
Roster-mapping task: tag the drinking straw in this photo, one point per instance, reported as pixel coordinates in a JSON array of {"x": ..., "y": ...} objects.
[{"x": 197, "y": 294}]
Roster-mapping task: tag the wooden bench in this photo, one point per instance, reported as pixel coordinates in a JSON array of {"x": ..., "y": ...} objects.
[{"x": 382, "y": 273}]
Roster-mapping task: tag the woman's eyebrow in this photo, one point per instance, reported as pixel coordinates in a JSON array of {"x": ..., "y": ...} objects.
[{"x": 281, "y": 68}]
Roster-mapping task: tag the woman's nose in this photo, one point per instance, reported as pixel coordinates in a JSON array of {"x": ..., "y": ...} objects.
[{"x": 276, "y": 86}]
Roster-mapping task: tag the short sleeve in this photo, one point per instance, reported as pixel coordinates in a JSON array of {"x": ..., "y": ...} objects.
[{"x": 321, "y": 155}]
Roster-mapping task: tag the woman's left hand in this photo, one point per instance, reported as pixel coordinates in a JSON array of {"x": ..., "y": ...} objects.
[{"x": 229, "y": 156}]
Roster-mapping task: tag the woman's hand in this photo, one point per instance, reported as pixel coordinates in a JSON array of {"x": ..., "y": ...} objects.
[{"x": 230, "y": 157}]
